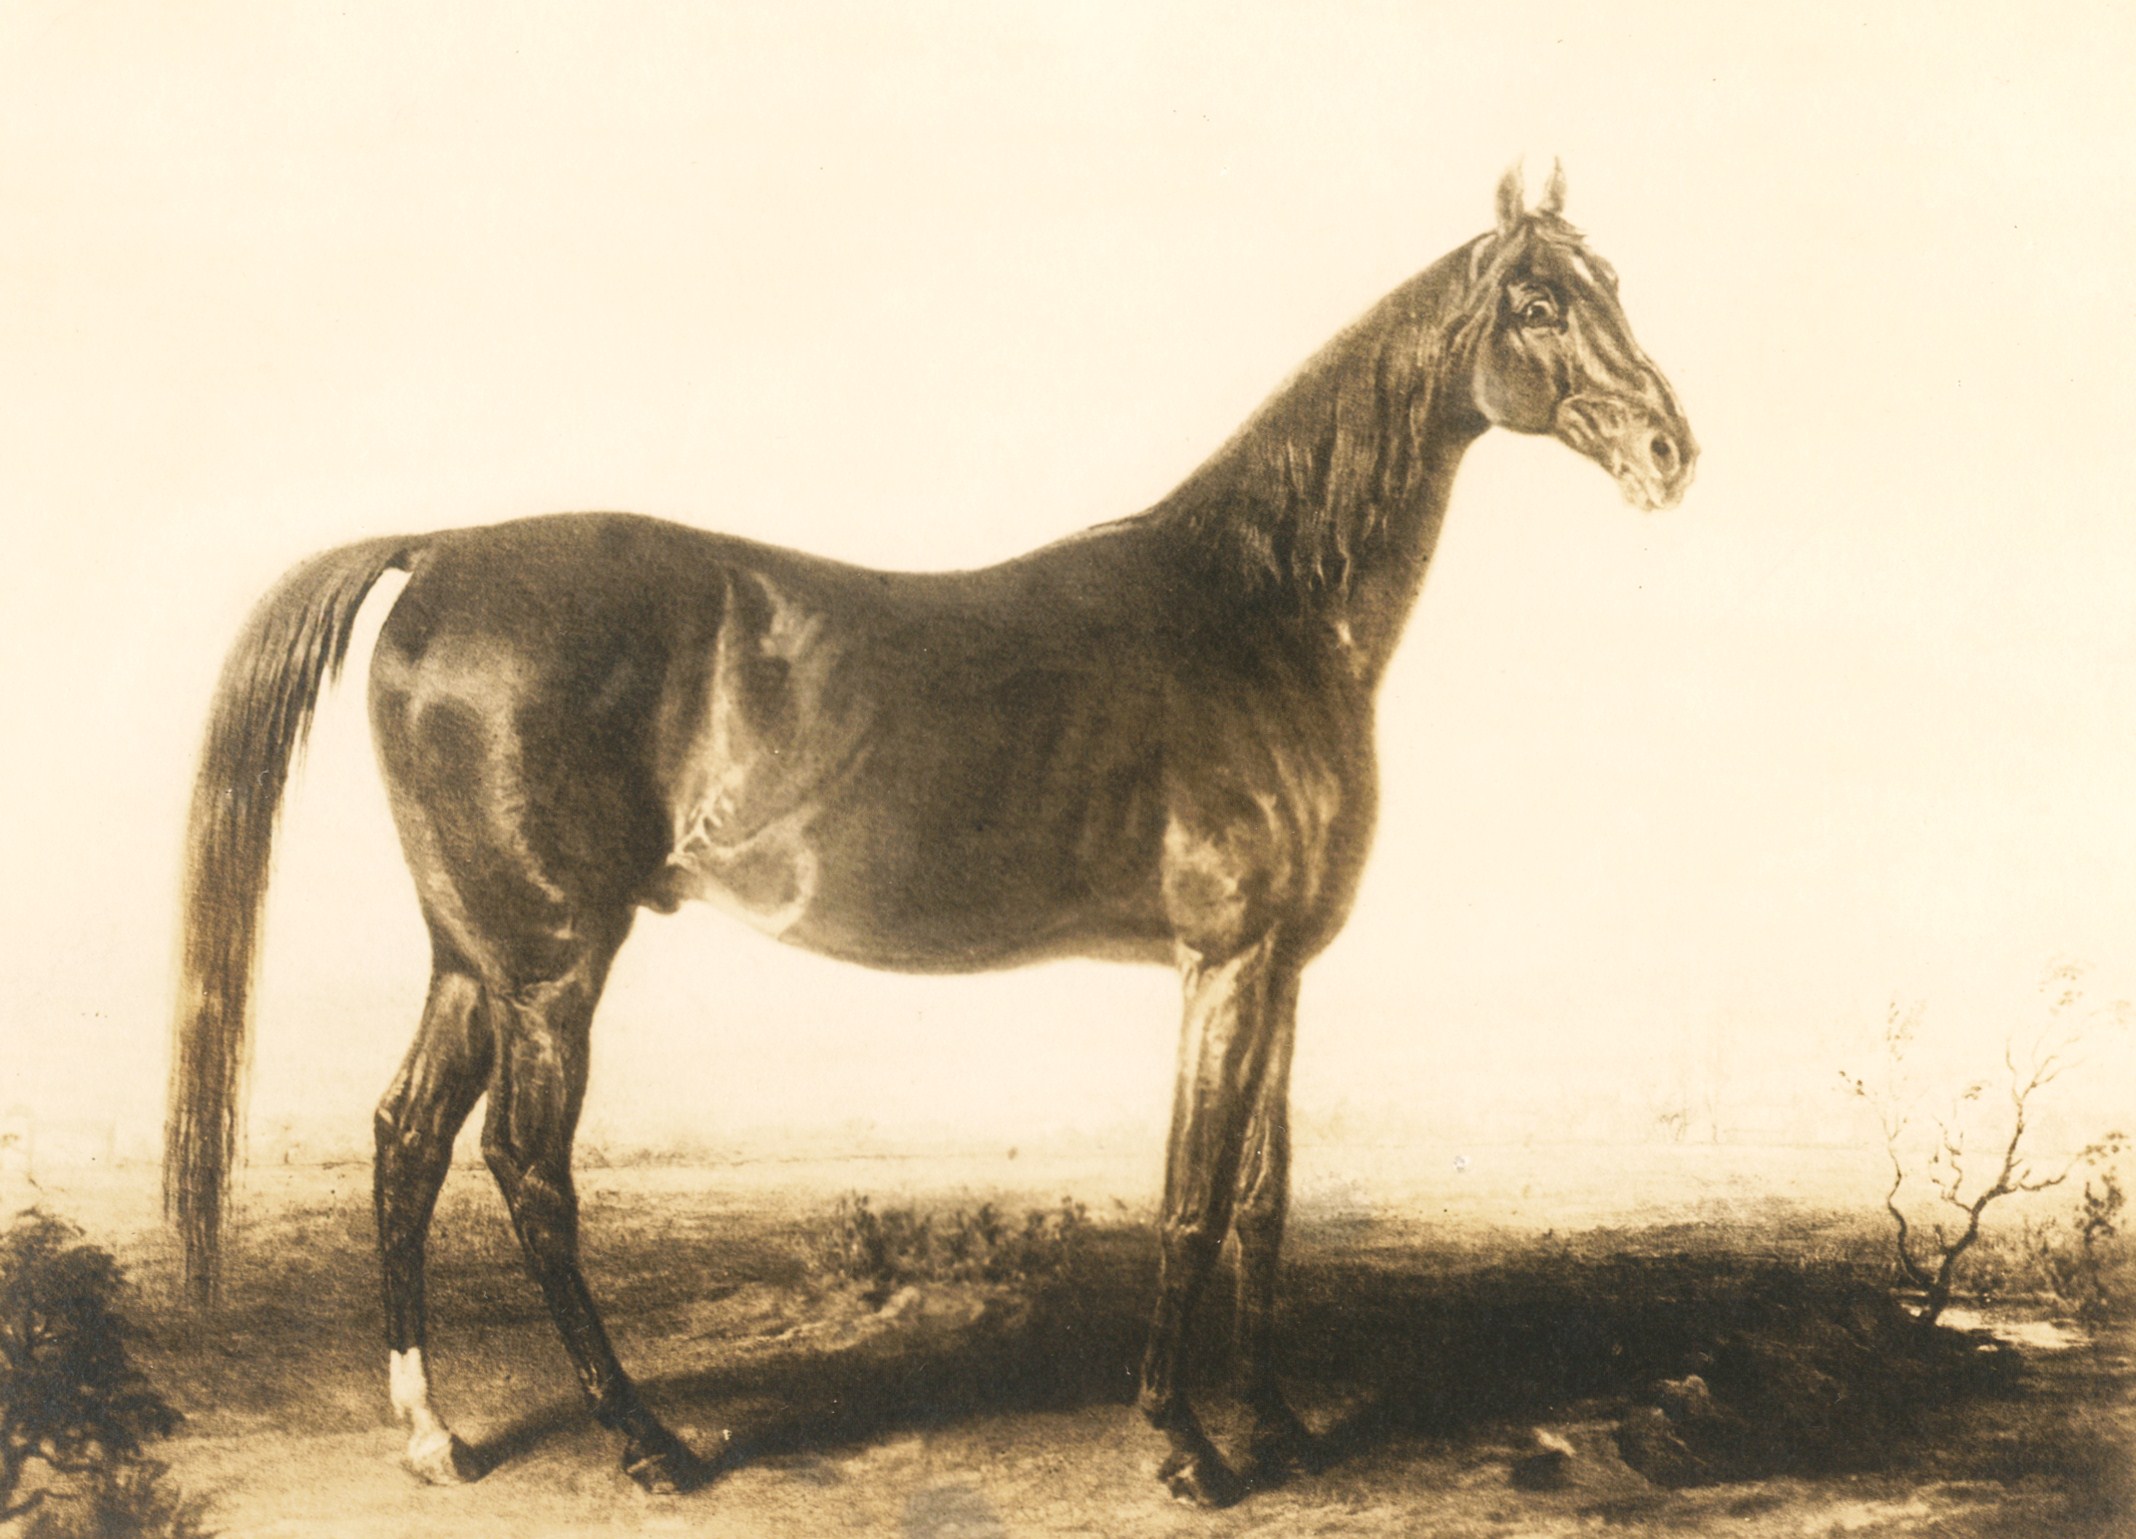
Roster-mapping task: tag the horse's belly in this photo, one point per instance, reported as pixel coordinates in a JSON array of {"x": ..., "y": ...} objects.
[
  {"x": 921, "y": 806},
  {"x": 900, "y": 909}
]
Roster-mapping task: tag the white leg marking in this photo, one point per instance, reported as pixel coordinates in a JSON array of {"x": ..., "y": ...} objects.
[{"x": 433, "y": 1451}]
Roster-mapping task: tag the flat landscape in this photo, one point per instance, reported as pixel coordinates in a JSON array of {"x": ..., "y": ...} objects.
[{"x": 1479, "y": 1337}]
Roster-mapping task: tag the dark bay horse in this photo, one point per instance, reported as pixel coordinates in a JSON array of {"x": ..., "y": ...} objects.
[{"x": 1151, "y": 740}]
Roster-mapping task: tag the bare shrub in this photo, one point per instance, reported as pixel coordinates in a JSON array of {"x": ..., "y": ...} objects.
[
  {"x": 1951, "y": 1164},
  {"x": 2079, "y": 1256}
]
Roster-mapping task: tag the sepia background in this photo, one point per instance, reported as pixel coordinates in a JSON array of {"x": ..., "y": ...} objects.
[{"x": 1675, "y": 806}]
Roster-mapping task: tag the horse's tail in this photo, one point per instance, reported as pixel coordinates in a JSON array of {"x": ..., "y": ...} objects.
[{"x": 292, "y": 645}]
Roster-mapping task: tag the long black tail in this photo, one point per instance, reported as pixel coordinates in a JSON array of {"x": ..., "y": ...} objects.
[{"x": 291, "y": 647}]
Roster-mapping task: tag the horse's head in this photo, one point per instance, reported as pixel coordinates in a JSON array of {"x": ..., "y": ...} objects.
[{"x": 1552, "y": 352}]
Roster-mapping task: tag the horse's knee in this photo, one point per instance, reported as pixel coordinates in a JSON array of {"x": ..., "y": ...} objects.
[
  {"x": 1190, "y": 1242},
  {"x": 1263, "y": 1200},
  {"x": 1259, "y": 1221}
]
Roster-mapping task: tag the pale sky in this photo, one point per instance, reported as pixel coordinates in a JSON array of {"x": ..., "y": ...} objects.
[{"x": 1669, "y": 800}]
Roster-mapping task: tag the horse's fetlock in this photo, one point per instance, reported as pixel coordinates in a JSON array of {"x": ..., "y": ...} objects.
[
  {"x": 617, "y": 1406},
  {"x": 1160, "y": 1408}
]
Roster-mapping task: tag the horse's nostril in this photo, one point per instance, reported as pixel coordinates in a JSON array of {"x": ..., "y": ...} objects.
[{"x": 1664, "y": 451}]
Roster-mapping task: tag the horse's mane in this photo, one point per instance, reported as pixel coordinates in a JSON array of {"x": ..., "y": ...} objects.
[{"x": 1304, "y": 491}]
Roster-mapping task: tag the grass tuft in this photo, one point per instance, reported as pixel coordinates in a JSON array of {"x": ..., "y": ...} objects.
[{"x": 881, "y": 1250}]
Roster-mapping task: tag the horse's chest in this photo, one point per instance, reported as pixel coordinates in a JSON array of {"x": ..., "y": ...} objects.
[{"x": 1267, "y": 824}]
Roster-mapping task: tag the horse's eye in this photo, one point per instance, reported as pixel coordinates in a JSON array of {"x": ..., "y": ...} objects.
[{"x": 1538, "y": 310}]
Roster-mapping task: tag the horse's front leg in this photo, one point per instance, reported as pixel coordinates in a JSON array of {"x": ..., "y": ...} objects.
[
  {"x": 1277, "y": 1443},
  {"x": 1233, "y": 1006}
]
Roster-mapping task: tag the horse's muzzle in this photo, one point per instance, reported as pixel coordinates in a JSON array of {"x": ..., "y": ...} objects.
[
  {"x": 1656, "y": 473},
  {"x": 1651, "y": 455}
]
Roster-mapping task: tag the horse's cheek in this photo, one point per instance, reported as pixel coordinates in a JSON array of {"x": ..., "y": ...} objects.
[{"x": 1513, "y": 390}]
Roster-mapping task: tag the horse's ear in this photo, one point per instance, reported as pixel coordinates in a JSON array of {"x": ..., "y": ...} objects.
[
  {"x": 1554, "y": 194},
  {"x": 1512, "y": 201}
]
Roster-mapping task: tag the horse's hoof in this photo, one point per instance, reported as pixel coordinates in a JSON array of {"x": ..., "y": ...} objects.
[
  {"x": 1278, "y": 1448},
  {"x": 445, "y": 1461},
  {"x": 1270, "y": 1464},
  {"x": 1200, "y": 1477},
  {"x": 664, "y": 1466}
]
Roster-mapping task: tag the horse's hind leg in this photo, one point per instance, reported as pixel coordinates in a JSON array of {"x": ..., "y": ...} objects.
[
  {"x": 422, "y": 1111},
  {"x": 536, "y": 1091}
]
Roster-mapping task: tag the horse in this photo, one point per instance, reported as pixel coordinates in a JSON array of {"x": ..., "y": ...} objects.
[{"x": 1149, "y": 741}]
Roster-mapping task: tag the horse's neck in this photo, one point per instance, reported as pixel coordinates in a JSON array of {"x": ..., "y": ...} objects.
[
  {"x": 1367, "y": 614},
  {"x": 1321, "y": 513},
  {"x": 1264, "y": 551}
]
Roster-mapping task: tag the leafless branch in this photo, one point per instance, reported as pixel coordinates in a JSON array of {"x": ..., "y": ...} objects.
[
  {"x": 1915, "y": 1273},
  {"x": 1928, "y": 1257}
]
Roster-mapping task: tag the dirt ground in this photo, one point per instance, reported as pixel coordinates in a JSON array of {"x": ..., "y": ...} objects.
[{"x": 1432, "y": 1356}]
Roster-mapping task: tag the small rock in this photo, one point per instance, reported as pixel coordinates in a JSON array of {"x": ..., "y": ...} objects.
[
  {"x": 1687, "y": 1399},
  {"x": 1547, "y": 1466},
  {"x": 1650, "y": 1445}
]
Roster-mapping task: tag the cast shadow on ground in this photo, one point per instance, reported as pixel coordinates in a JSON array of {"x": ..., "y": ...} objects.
[{"x": 1816, "y": 1368}]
